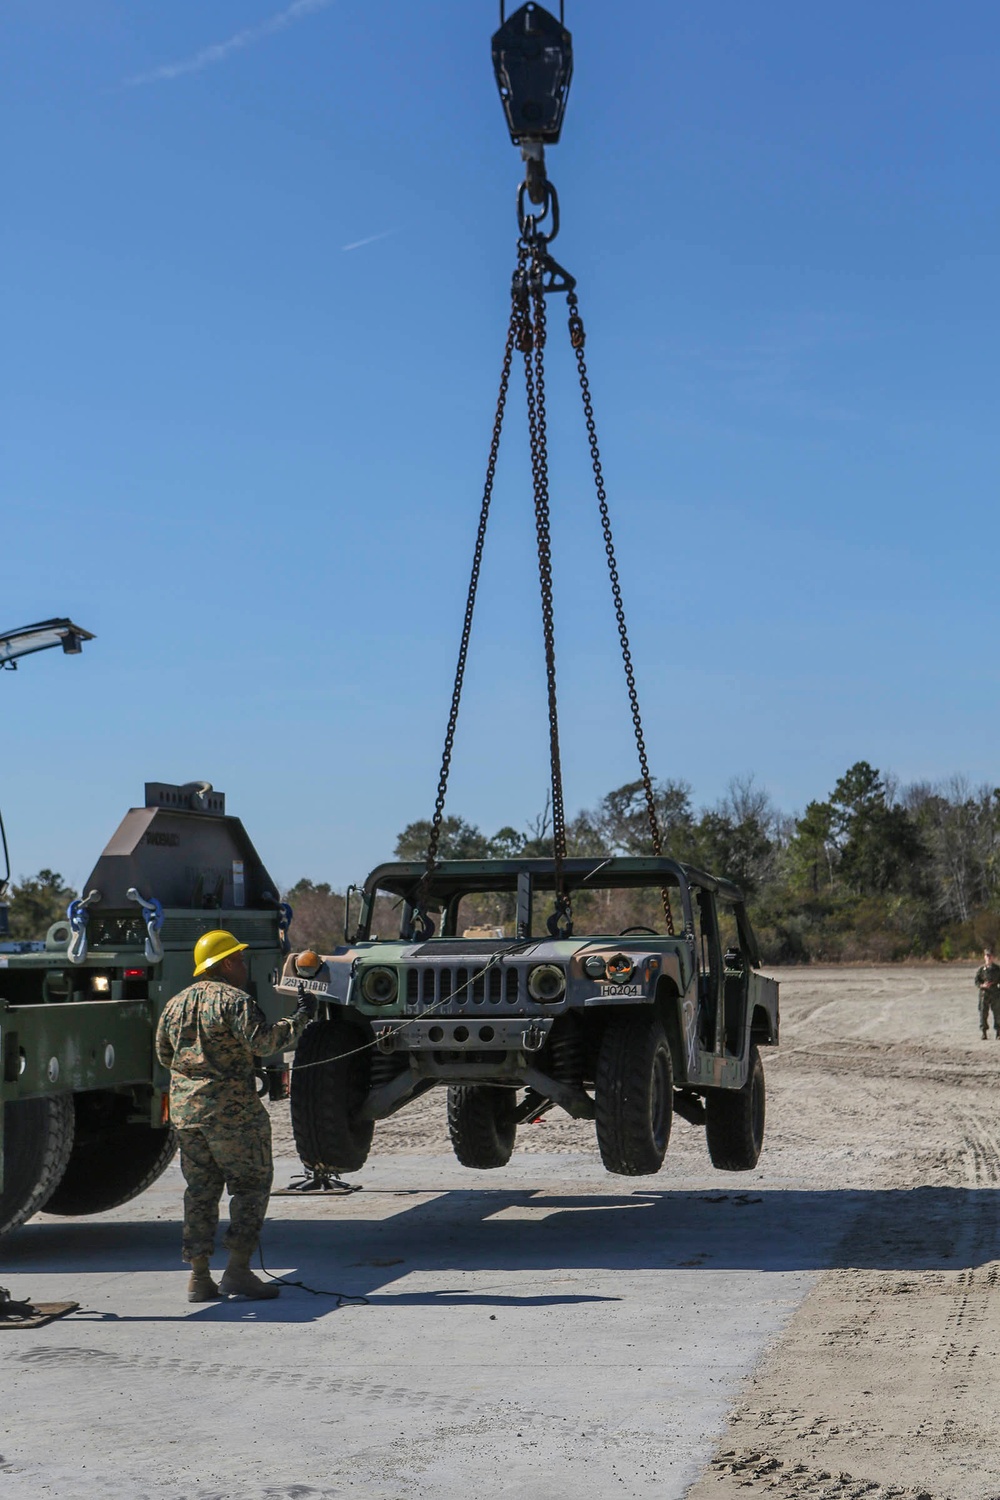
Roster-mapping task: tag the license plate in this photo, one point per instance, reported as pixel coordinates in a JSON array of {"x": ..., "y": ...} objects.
[
  {"x": 292, "y": 982},
  {"x": 609, "y": 991}
]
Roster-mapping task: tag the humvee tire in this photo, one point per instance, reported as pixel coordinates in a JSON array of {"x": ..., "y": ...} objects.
[
  {"x": 112, "y": 1161},
  {"x": 633, "y": 1095},
  {"x": 38, "y": 1139},
  {"x": 325, "y": 1100},
  {"x": 734, "y": 1122},
  {"x": 481, "y": 1124}
]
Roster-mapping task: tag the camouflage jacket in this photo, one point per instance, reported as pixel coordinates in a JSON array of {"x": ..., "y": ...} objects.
[
  {"x": 208, "y": 1036},
  {"x": 988, "y": 976}
]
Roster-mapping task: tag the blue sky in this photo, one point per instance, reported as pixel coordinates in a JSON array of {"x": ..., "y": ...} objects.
[{"x": 257, "y": 264}]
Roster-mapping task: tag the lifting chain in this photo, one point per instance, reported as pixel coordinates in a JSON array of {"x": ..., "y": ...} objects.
[
  {"x": 534, "y": 377},
  {"x": 578, "y": 339},
  {"x": 515, "y": 335},
  {"x": 537, "y": 275}
]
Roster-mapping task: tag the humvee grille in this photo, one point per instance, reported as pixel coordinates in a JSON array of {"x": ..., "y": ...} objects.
[{"x": 437, "y": 983}]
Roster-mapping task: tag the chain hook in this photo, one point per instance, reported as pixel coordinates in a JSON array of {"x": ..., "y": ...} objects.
[
  {"x": 77, "y": 915},
  {"x": 152, "y": 911}
]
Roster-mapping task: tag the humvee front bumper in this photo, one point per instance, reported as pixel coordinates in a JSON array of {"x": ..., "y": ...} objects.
[{"x": 459, "y": 1034}]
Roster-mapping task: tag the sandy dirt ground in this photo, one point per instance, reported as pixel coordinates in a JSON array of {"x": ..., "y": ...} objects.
[
  {"x": 881, "y": 1385},
  {"x": 881, "y": 1094},
  {"x": 827, "y": 1326}
]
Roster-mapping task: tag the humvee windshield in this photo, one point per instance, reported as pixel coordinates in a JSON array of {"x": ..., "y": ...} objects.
[{"x": 516, "y": 898}]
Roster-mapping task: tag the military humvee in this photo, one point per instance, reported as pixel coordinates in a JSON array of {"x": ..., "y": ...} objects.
[{"x": 620, "y": 1022}]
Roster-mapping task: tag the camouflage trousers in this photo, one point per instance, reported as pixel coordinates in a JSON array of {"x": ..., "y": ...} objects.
[
  {"x": 238, "y": 1158},
  {"x": 989, "y": 1000}
]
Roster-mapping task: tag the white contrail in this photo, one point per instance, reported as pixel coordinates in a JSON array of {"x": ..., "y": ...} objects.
[
  {"x": 357, "y": 244},
  {"x": 219, "y": 51}
]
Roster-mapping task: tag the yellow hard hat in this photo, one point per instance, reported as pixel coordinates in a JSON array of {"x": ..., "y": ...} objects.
[{"x": 212, "y": 947}]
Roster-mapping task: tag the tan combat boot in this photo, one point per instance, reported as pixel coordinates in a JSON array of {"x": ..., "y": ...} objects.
[
  {"x": 239, "y": 1281},
  {"x": 201, "y": 1287}
]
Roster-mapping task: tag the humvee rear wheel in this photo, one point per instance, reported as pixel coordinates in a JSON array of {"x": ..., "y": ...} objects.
[
  {"x": 328, "y": 1090},
  {"x": 633, "y": 1095},
  {"x": 112, "y": 1161},
  {"x": 37, "y": 1141},
  {"x": 481, "y": 1123},
  {"x": 734, "y": 1121}
]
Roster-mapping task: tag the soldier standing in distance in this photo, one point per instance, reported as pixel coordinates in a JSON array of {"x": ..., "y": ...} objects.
[
  {"x": 208, "y": 1037},
  {"x": 988, "y": 980}
]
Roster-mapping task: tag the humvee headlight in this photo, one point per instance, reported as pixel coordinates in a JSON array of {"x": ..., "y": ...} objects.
[
  {"x": 620, "y": 968},
  {"x": 594, "y": 966},
  {"x": 380, "y": 986},
  {"x": 308, "y": 963},
  {"x": 100, "y": 985},
  {"x": 546, "y": 983}
]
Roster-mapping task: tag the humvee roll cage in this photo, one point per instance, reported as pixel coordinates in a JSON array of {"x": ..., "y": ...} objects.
[{"x": 527, "y": 877}]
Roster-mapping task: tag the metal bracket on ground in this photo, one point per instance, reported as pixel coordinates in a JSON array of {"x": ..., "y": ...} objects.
[
  {"x": 317, "y": 1181},
  {"x": 15, "y": 1314}
]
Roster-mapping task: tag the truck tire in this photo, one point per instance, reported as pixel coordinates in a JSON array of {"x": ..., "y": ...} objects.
[
  {"x": 633, "y": 1095},
  {"x": 112, "y": 1161},
  {"x": 481, "y": 1124},
  {"x": 734, "y": 1121},
  {"x": 326, "y": 1100},
  {"x": 38, "y": 1139}
]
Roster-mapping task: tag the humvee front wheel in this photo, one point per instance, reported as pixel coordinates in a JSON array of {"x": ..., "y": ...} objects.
[
  {"x": 112, "y": 1161},
  {"x": 37, "y": 1141},
  {"x": 734, "y": 1121},
  {"x": 481, "y": 1124},
  {"x": 633, "y": 1095},
  {"x": 328, "y": 1090}
]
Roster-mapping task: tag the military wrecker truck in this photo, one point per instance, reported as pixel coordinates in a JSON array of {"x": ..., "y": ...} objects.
[
  {"x": 84, "y": 1125},
  {"x": 620, "y": 1022}
]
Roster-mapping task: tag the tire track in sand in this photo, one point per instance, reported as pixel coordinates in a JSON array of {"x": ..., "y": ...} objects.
[{"x": 877, "y": 1388}]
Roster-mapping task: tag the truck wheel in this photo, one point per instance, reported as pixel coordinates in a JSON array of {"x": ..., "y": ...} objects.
[
  {"x": 112, "y": 1161},
  {"x": 633, "y": 1094},
  {"x": 481, "y": 1123},
  {"x": 734, "y": 1124},
  {"x": 38, "y": 1138},
  {"x": 326, "y": 1100}
]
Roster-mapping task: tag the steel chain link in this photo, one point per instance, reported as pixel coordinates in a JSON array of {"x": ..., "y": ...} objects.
[
  {"x": 514, "y": 333},
  {"x": 526, "y": 332},
  {"x": 534, "y": 373},
  {"x": 578, "y": 340}
]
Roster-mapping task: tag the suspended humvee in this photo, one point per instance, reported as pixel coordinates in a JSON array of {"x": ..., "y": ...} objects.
[{"x": 611, "y": 1017}]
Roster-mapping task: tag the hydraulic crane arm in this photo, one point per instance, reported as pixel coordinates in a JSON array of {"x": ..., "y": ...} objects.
[
  {"x": 41, "y": 637},
  {"x": 24, "y": 641}
]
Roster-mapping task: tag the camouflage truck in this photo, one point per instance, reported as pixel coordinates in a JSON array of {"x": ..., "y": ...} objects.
[
  {"x": 617, "y": 1021},
  {"x": 84, "y": 1125}
]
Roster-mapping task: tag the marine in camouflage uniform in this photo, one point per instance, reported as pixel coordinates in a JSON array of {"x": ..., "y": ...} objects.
[
  {"x": 988, "y": 980},
  {"x": 208, "y": 1036}
]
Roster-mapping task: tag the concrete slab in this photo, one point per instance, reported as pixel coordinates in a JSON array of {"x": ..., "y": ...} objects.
[{"x": 546, "y": 1330}]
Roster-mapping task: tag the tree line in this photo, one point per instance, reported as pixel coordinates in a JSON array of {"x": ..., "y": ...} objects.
[{"x": 875, "y": 872}]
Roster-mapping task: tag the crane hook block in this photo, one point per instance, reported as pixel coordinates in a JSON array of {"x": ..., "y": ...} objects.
[{"x": 533, "y": 64}]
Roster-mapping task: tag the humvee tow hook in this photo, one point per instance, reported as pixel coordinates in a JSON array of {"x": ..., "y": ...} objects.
[{"x": 533, "y": 1038}]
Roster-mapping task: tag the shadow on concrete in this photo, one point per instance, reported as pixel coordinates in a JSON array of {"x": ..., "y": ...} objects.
[{"x": 497, "y": 1231}]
